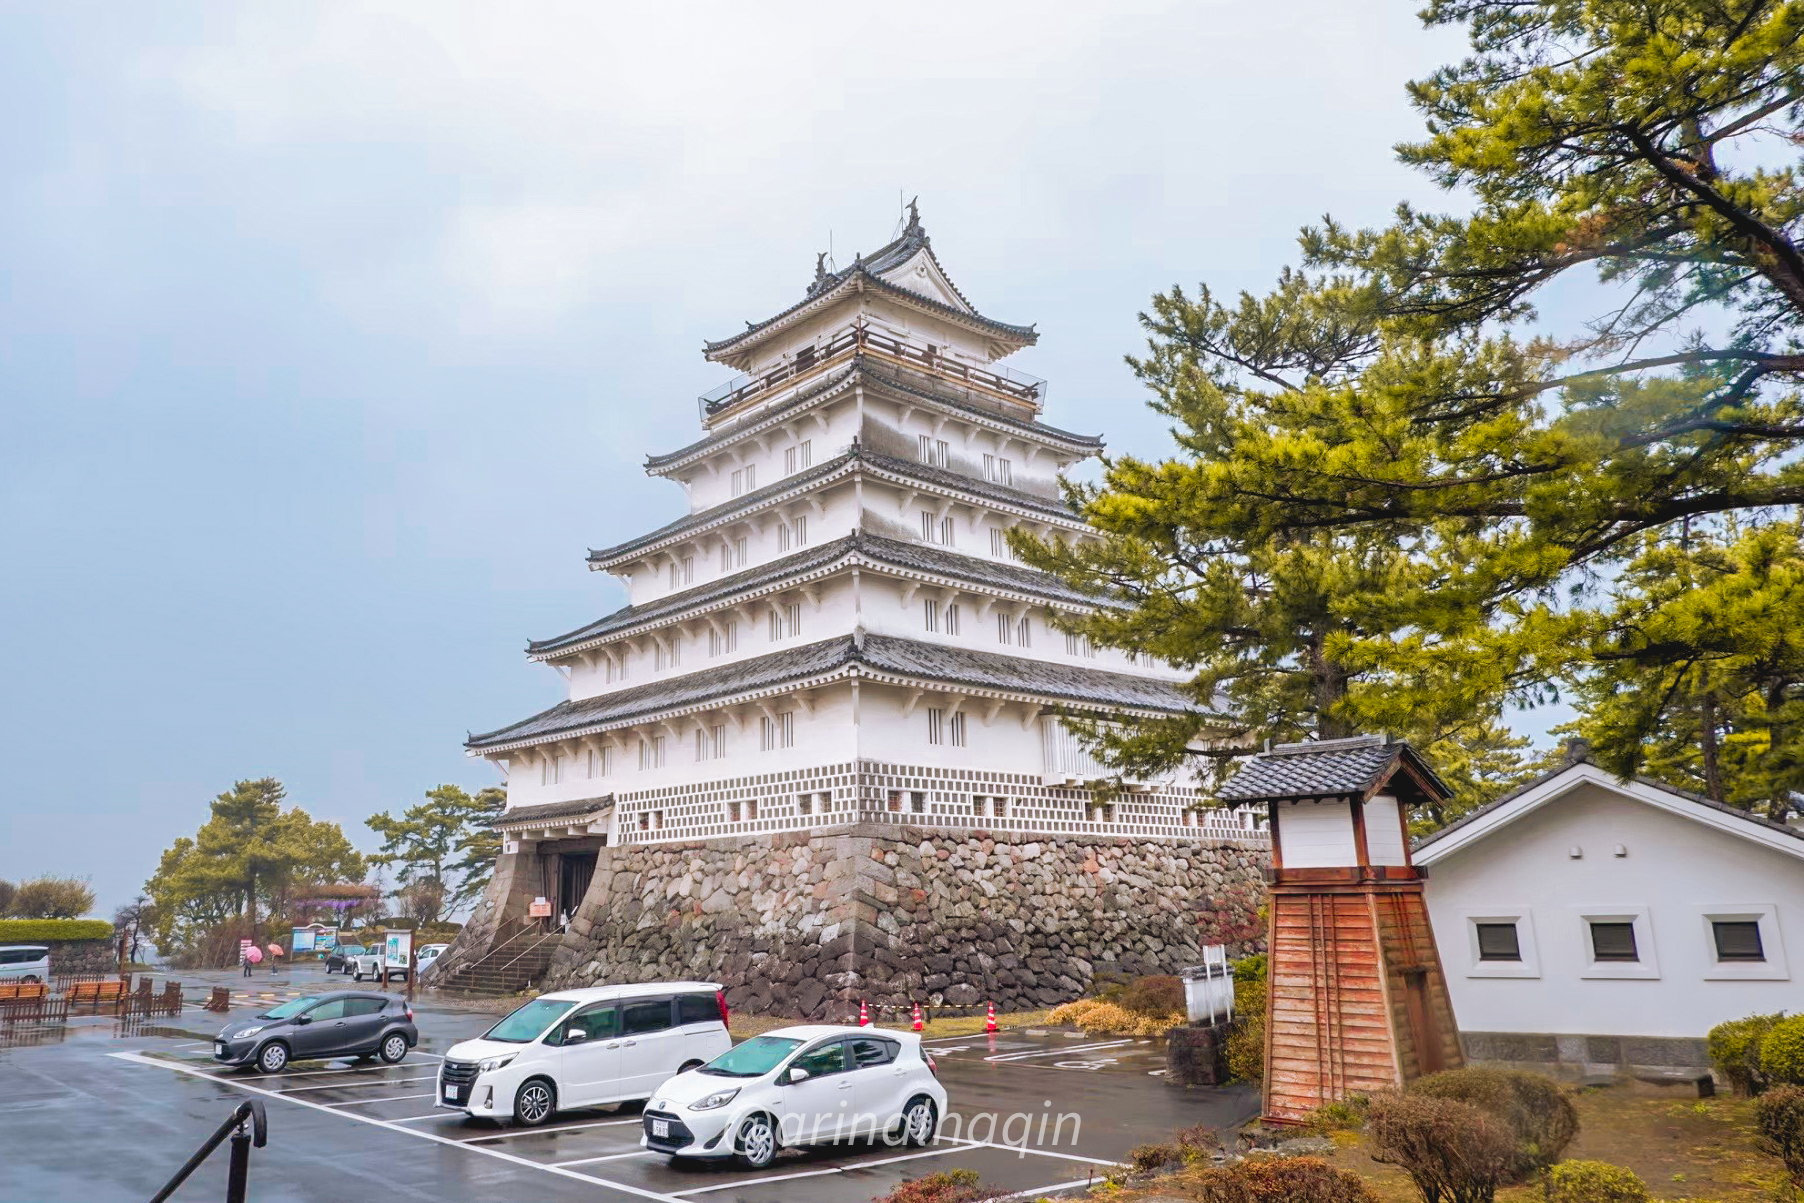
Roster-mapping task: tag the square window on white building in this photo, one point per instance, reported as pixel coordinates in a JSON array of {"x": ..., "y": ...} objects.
[
  {"x": 998, "y": 469},
  {"x": 1500, "y": 943},
  {"x": 778, "y": 731},
  {"x": 798, "y": 457},
  {"x": 669, "y": 653},
  {"x": 1079, "y": 645},
  {"x": 601, "y": 761},
  {"x": 934, "y": 452},
  {"x": 785, "y": 621},
  {"x": 651, "y": 752},
  {"x": 1742, "y": 942},
  {"x": 724, "y": 639},
  {"x": 732, "y": 554},
  {"x": 1618, "y": 942},
  {"x": 792, "y": 534},
  {"x": 745, "y": 480},
  {"x": 999, "y": 545},
  {"x": 710, "y": 743}
]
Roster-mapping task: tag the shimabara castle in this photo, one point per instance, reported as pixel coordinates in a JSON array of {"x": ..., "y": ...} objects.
[{"x": 816, "y": 755}]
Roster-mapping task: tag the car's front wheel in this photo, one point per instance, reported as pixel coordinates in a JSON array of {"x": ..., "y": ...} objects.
[
  {"x": 394, "y": 1047},
  {"x": 534, "y": 1103},
  {"x": 274, "y": 1057},
  {"x": 919, "y": 1121},
  {"x": 757, "y": 1142}
]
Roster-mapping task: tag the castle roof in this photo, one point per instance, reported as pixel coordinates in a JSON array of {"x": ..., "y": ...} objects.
[
  {"x": 855, "y": 459},
  {"x": 1355, "y": 767},
  {"x": 881, "y": 657},
  {"x": 828, "y": 288},
  {"x": 933, "y": 392},
  {"x": 860, "y": 547}
]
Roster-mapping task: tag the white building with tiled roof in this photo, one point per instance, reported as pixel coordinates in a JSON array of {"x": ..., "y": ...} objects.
[{"x": 836, "y": 631}]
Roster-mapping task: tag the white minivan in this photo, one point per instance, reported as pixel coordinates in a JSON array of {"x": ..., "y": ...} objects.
[
  {"x": 24, "y": 963},
  {"x": 585, "y": 1048}
]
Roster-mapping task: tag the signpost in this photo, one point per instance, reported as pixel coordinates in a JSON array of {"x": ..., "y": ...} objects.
[
  {"x": 397, "y": 953},
  {"x": 540, "y": 908}
]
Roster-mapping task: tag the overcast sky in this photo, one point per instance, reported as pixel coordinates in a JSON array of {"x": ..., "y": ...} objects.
[{"x": 331, "y": 336}]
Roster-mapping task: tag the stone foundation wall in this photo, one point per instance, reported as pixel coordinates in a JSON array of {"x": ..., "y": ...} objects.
[
  {"x": 805, "y": 924},
  {"x": 83, "y": 956},
  {"x": 1592, "y": 1059}
]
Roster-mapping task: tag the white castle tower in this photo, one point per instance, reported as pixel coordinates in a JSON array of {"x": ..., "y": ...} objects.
[{"x": 836, "y": 632}]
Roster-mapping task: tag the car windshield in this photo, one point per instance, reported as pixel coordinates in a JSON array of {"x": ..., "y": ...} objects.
[
  {"x": 753, "y": 1059},
  {"x": 351, "y": 950},
  {"x": 527, "y": 1023},
  {"x": 291, "y": 1008}
]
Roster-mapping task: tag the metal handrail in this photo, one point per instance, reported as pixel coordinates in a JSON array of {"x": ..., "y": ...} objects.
[
  {"x": 238, "y": 1173},
  {"x": 527, "y": 927}
]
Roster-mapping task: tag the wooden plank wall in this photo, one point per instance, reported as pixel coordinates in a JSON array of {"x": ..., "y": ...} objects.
[{"x": 1329, "y": 1028}]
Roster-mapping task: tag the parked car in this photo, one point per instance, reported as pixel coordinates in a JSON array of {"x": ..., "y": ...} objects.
[
  {"x": 427, "y": 955},
  {"x": 342, "y": 1023},
  {"x": 800, "y": 1085},
  {"x": 375, "y": 965},
  {"x": 339, "y": 957},
  {"x": 585, "y": 1048},
  {"x": 24, "y": 963}
]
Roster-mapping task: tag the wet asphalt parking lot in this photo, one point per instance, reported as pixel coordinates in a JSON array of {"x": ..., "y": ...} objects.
[{"x": 98, "y": 1112}]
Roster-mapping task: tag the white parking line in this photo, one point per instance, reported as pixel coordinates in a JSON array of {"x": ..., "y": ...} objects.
[
  {"x": 606, "y": 1123},
  {"x": 1059, "y": 1052},
  {"x": 838, "y": 1169},
  {"x": 1036, "y": 1191},
  {"x": 640, "y": 1192},
  {"x": 610, "y": 1157},
  {"x": 393, "y": 1098},
  {"x": 362, "y": 1085},
  {"x": 414, "y": 1119},
  {"x": 990, "y": 1144}
]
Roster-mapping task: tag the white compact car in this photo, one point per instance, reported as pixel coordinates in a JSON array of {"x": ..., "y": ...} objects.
[
  {"x": 585, "y": 1048},
  {"x": 801, "y": 1085}
]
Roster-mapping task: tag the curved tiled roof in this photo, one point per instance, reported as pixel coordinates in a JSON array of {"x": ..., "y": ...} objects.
[
  {"x": 1324, "y": 768},
  {"x": 870, "y": 548},
  {"x": 828, "y": 286},
  {"x": 860, "y": 367},
  {"x": 882, "y": 654},
  {"x": 884, "y": 465}
]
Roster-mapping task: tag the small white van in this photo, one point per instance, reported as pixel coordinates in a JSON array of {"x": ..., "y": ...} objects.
[
  {"x": 24, "y": 963},
  {"x": 585, "y": 1048}
]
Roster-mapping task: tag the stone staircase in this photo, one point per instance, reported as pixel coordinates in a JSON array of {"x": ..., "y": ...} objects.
[{"x": 512, "y": 966}]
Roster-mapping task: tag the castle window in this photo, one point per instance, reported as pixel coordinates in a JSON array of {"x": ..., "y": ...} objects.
[
  {"x": 793, "y": 534},
  {"x": 725, "y": 639},
  {"x": 732, "y": 554},
  {"x": 998, "y": 469},
  {"x": 936, "y": 726},
  {"x": 931, "y": 610},
  {"x": 798, "y": 457},
  {"x": 651, "y": 752},
  {"x": 710, "y": 743},
  {"x": 958, "y": 729},
  {"x": 682, "y": 572},
  {"x": 917, "y": 802},
  {"x": 934, "y": 452},
  {"x": 668, "y": 654},
  {"x": 951, "y": 617},
  {"x": 601, "y": 762},
  {"x": 1024, "y": 632},
  {"x": 1079, "y": 645},
  {"x": 745, "y": 479},
  {"x": 778, "y": 731},
  {"x": 999, "y": 545},
  {"x": 1005, "y": 629}
]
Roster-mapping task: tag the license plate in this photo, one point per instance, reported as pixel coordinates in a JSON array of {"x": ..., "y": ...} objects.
[
  {"x": 660, "y": 1127},
  {"x": 452, "y": 1094},
  {"x": 219, "y": 1048}
]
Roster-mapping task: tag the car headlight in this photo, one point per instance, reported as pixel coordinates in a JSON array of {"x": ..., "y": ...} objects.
[
  {"x": 492, "y": 1063},
  {"x": 719, "y": 1098},
  {"x": 241, "y": 1034}
]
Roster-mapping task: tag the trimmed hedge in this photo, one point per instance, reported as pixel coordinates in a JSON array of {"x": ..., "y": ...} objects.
[
  {"x": 1735, "y": 1051},
  {"x": 1594, "y": 1182},
  {"x": 45, "y": 931},
  {"x": 1782, "y": 1051}
]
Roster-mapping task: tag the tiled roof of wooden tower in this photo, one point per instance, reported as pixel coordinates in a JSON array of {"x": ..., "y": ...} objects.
[
  {"x": 553, "y": 810},
  {"x": 1326, "y": 768}
]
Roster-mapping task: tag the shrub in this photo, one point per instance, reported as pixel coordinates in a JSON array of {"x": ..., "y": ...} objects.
[
  {"x": 7, "y": 890},
  {"x": 1594, "y": 1182},
  {"x": 1250, "y": 969},
  {"x": 1452, "y": 1151},
  {"x": 1735, "y": 1051},
  {"x": 1280, "y": 1180},
  {"x": 1537, "y": 1112},
  {"x": 1782, "y": 1052},
  {"x": 949, "y": 1186},
  {"x": 1779, "y": 1119},
  {"x": 38, "y": 931},
  {"x": 1146, "y": 1158},
  {"x": 1348, "y": 1115},
  {"x": 1246, "y": 1043},
  {"x": 1096, "y": 1016},
  {"x": 1154, "y": 996},
  {"x": 52, "y": 898}
]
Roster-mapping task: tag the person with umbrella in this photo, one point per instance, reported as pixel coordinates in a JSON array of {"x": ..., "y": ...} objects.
[
  {"x": 252, "y": 956},
  {"x": 275, "y": 954}
]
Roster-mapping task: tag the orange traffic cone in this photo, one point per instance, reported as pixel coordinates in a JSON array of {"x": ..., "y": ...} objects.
[
  {"x": 919, "y": 1022},
  {"x": 864, "y": 1014},
  {"x": 989, "y": 1021}
]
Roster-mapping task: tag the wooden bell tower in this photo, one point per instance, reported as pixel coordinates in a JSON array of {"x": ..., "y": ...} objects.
[{"x": 1356, "y": 998}]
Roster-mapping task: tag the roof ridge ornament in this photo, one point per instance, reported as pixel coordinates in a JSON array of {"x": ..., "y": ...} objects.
[
  {"x": 822, "y": 277},
  {"x": 913, "y": 230}
]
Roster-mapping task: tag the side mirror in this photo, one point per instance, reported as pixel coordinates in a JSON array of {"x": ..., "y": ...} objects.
[
  {"x": 575, "y": 1035},
  {"x": 303, "y": 1019},
  {"x": 797, "y": 1074}
]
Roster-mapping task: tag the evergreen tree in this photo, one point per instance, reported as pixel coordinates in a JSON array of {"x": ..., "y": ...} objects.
[{"x": 445, "y": 840}]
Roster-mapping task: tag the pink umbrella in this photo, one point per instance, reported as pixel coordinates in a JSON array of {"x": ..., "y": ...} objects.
[
  {"x": 275, "y": 950},
  {"x": 254, "y": 955}
]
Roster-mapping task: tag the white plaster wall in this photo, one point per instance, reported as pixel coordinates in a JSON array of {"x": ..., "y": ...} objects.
[
  {"x": 1316, "y": 835},
  {"x": 710, "y": 483},
  {"x": 1674, "y": 872},
  {"x": 887, "y": 734},
  {"x": 1384, "y": 832}
]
